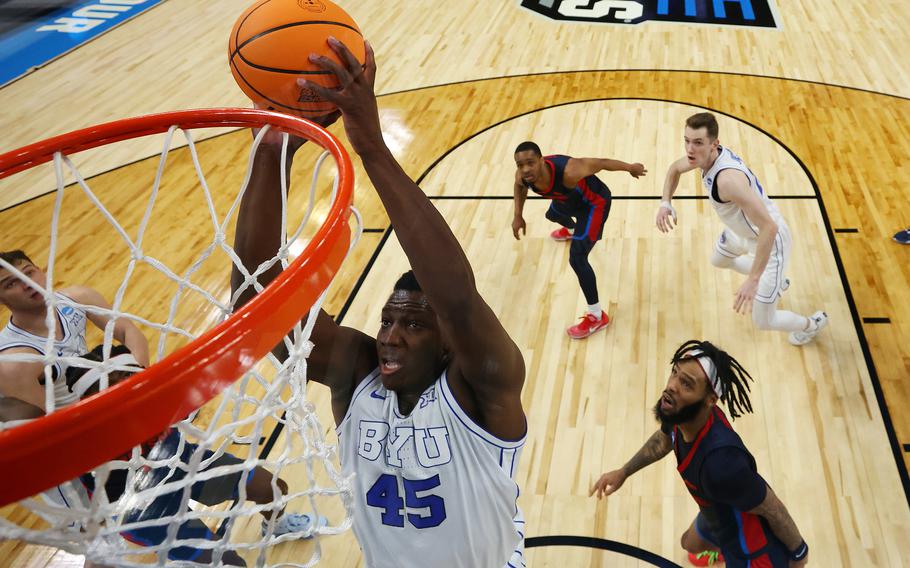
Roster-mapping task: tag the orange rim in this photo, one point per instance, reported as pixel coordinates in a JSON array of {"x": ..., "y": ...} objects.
[{"x": 59, "y": 447}]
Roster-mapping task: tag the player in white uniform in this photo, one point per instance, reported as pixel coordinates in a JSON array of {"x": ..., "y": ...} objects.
[
  {"x": 756, "y": 241},
  {"x": 27, "y": 332},
  {"x": 429, "y": 412}
]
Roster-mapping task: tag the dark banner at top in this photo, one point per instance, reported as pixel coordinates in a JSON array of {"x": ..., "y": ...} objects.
[{"x": 754, "y": 13}]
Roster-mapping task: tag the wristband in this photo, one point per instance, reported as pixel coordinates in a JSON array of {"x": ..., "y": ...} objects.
[{"x": 801, "y": 551}]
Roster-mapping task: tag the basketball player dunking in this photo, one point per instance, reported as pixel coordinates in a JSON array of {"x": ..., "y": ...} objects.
[
  {"x": 754, "y": 226},
  {"x": 581, "y": 202},
  {"x": 429, "y": 412},
  {"x": 740, "y": 516}
]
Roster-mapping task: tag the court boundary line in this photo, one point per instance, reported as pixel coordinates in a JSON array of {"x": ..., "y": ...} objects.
[
  {"x": 544, "y": 73},
  {"x": 650, "y": 70},
  {"x": 601, "y": 544},
  {"x": 845, "y": 284}
]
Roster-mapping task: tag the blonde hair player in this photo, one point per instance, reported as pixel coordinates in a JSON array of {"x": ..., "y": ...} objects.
[{"x": 754, "y": 226}]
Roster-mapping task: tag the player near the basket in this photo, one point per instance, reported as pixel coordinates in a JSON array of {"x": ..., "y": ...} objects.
[
  {"x": 27, "y": 331},
  {"x": 755, "y": 241},
  {"x": 428, "y": 412},
  {"x": 84, "y": 381},
  {"x": 739, "y": 515},
  {"x": 580, "y": 202}
]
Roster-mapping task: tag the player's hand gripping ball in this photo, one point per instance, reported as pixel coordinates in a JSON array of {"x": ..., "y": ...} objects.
[{"x": 269, "y": 50}]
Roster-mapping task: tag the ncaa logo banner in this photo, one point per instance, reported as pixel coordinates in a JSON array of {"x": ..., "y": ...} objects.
[{"x": 754, "y": 13}]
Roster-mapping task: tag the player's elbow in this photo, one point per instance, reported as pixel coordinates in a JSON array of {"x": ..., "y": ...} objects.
[{"x": 769, "y": 229}]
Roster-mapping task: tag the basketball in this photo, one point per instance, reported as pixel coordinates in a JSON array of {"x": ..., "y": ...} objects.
[{"x": 269, "y": 50}]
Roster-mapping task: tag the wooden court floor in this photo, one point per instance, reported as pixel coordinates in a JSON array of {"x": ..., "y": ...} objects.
[{"x": 830, "y": 427}]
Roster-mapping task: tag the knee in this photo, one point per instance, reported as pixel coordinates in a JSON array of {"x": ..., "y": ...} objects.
[
  {"x": 721, "y": 261},
  {"x": 578, "y": 260},
  {"x": 259, "y": 489},
  {"x": 690, "y": 542},
  {"x": 762, "y": 314}
]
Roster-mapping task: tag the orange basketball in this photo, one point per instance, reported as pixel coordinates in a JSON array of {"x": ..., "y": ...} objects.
[{"x": 270, "y": 45}]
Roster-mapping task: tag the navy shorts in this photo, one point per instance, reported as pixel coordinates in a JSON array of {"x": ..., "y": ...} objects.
[
  {"x": 209, "y": 492},
  {"x": 773, "y": 555}
]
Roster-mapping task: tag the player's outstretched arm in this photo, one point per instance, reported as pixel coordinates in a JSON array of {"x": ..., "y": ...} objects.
[
  {"x": 341, "y": 355},
  {"x": 657, "y": 446},
  {"x": 579, "y": 168},
  {"x": 666, "y": 214},
  {"x": 520, "y": 194},
  {"x": 124, "y": 330},
  {"x": 488, "y": 369},
  {"x": 733, "y": 185}
]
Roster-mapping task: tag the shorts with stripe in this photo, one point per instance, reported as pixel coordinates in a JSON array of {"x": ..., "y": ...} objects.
[
  {"x": 208, "y": 492},
  {"x": 589, "y": 213},
  {"x": 772, "y": 555},
  {"x": 770, "y": 286}
]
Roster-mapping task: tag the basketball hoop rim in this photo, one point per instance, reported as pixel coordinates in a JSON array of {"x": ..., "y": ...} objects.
[{"x": 67, "y": 443}]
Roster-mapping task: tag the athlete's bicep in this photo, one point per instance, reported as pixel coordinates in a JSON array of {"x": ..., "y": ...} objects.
[
  {"x": 20, "y": 379},
  {"x": 488, "y": 360},
  {"x": 733, "y": 185},
  {"x": 340, "y": 356},
  {"x": 90, "y": 297},
  {"x": 682, "y": 166},
  {"x": 578, "y": 169}
]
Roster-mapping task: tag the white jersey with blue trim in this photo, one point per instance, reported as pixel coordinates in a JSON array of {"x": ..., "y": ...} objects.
[
  {"x": 431, "y": 488},
  {"x": 72, "y": 323},
  {"x": 730, "y": 213}
]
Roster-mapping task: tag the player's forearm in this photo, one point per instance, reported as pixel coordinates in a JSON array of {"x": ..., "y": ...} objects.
[
  {"x": 258, "y": 235},
  {"x": 657, "y": 446},
  {"x": 136, "y": 342},
  {"x": 766, "y": 236},
  {"x": 435, "y": 255},
  {"x": 519, "y": 196},
  {"x": 671, "y": 182},
  {"x": 611, "y": 165},
  {"x": 780, "y": 521}
]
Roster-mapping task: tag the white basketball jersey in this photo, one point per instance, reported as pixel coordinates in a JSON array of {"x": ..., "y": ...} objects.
[
  {"x": 72, "y": 322},
  {"x": 432, "y": 489},
  {"x": 729, "y": 212}
]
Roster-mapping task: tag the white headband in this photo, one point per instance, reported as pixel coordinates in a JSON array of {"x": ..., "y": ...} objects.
[
  {"x": 123, "y": 362},
  {"x": 710, "y": 370}
]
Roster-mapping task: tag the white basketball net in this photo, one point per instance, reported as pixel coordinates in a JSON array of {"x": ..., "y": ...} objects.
[{"x": 197, "y": 478}]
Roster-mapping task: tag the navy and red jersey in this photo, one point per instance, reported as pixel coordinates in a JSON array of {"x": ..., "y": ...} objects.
[
  {"x": 590, "y": 191},
  {"x": 721, "y": 476}
]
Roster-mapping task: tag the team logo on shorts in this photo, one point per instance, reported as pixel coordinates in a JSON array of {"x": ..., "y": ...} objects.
[
  {"x": 66, "y": 310},
  {"x": 753, "y": 13}
]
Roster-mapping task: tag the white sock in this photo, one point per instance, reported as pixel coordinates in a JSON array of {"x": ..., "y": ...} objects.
[{"x": 594, "y": 310}]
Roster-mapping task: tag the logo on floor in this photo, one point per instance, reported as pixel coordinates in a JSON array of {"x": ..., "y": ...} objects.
[{"x": 753, "y": 13}]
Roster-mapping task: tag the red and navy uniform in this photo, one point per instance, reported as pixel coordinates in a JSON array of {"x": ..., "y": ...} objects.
[
  {"x": 588, "y": 202},
  {"x": 721, "y": 476}
]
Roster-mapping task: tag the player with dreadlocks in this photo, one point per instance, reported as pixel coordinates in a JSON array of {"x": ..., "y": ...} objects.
[{"x": 740, "y": 517}]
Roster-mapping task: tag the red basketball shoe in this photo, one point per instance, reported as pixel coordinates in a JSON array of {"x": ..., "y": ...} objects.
[
  {"x": 561, "y": 234},
  {"x": 706, "y": 558},
  {"x": 588, "y": 325}
]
